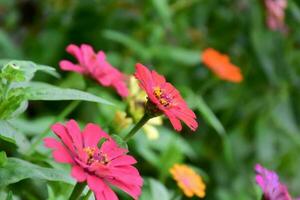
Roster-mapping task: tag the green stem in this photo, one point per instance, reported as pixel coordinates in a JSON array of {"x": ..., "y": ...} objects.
[
  {"x": 62, "y": 115},
  {"x": 5, "y": 90},
  {"x": 87, "y": 196},
  {"x": 79, "y": 187},
  {"x": 139, "y": 125}
]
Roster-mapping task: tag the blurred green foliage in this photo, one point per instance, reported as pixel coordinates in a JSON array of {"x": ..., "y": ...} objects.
[{"x": 256, "y": 121}]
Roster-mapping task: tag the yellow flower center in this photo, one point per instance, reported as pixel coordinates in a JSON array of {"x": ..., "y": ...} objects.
[
  {"x": 94, "y": 156},
  {"x": 163, "y": 99}
]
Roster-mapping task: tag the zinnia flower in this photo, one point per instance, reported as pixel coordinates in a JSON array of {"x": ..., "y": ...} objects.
[
  {"x": 275, "y": 14},
  {"x": 136, "y": 109},
  {"x": 270, "y": 184},
  {"x": 188, "y": 180},
  {"x": 164, "y": 97},
  {"x": 220, "y": 64},
  {"x": 101, "y": 166},
  {"x": 96, "y": 66}
]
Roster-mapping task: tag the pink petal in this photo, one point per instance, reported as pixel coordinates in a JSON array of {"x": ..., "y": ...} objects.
[
  {"x": 101, "y": 56},
  {"x": 107, "y": 194},
  {"x": 92, "y": 134},
  {"x": 158, "y": 79},
  {"x": 112, "y": 150},
  {"x": 60, "y": 153},
  {"x": 69, "y": 66},
  {"x": 188, "y": 120},
  {"x": 95, "y": 183},
  {"x": 75, "y": 51},
  {"x": 126, "y": 174},
  {"x": 132, "y": 190},
  {"x": 144, "y": 76},
  {"x": 62, "y": 133},
  {"x": 78, "y": 173},
  {"x": 74, "y": 132},
  {"x": 174, "y": 121},
  {"x": 121, "y": 88},
  {"x": 89, "y": 57},
  {"x": 122, "y": 160}
]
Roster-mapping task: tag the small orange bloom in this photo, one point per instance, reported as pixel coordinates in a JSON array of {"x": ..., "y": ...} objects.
[
  {"x": 188, "y": 180},
  {"x": 220, "y": 64}
]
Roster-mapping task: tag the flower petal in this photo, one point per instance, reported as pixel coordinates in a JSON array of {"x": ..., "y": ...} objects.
[
  {"x": 60, "y": 153},
  {"x": 92, "y": 134},
  {"x": 78, "y": 173},
  {"x": 95, "y": 183},
  {"x": 69, "y": 66},
  {"x": 106, "y": 194},
  {"x": 63, "y": 134},
  {"x": 74, "y": 132},
  {"x": 122, "y": 160},
  {"x": 75, "y": 51}
]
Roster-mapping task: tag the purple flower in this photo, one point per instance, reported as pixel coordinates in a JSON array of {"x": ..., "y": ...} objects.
[{"x": 270, "y": 184}]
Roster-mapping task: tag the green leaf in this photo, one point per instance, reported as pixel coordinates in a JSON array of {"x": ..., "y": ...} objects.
[
  {"x": 154, "y": 189},
  {"x": 158, "y": 190},
  {"x": 46, "y": 92},
  {"x": 180, "y": 55},
  {"x": 163, "y": 10},
  {"x": 3, "y": 158},
  {"x": 209, "y": 116},
  {"x": 128, "y": 42},
  {"x": 121, "y": 143},
  {"x": 30, "y": 68},
  {"x": 16, "y": 170},
  {"x": 12, "y": 135}
]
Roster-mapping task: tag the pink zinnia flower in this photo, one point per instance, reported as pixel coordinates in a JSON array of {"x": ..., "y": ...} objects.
[
  {"x": 96, "y": 66},
  {"x": 275, "y": 14},
  {"x": 101, "y": 166},
  {"x": 270, "y": 184},
  {"x": 165, "y": 98}
]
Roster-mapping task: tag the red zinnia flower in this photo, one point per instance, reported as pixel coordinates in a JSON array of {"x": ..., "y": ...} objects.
[
  {"x": 165, "y": 97},
  {"x": 101, "y": 166},
  {"x": 96, "y": 66},
  {"x": 220, "y": 64}
]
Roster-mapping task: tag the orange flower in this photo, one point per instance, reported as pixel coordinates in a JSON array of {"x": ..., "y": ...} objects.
[
  {"x": 220, "y": 64},
  {"x": 188, "y": 180}
]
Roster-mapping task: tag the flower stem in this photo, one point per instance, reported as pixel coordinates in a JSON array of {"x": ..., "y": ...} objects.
[
  {"x": 79, "y": 187},
  {"x": 87, "y": 196},
  {"x": 139, "y": 125},
  {"x": 62, "y": 115}
]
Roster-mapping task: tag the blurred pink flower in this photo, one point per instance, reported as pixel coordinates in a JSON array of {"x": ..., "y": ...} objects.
[
  {"x": 101, "y": 166},
  {"x": 270, "y": 184},
  {"x": 96, "y": 66},
  {"x": 165, "y": 98},
  {"x": 275, "y": 14}
]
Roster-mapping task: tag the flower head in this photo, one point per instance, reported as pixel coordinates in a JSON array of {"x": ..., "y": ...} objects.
[
  {"x": 136, "y": 109},
  {"x": 165, "y": 98},
  {"x": 270, "y": 184},
  {"x": 100, "y": 166},
  {"x": 188, "y": 180},
  {"x": 96, "y": 66},
  {"x": 220, "y": 64},
  {"x": 275, "y": 14}
]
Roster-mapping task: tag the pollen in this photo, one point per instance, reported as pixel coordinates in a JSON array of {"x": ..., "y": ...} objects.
[
  {"x": 90, "y": 151},
  {"x": 163, "y": 99}
]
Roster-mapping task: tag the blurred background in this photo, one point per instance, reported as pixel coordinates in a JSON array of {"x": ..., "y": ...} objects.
[{"x": 255, "y": 121}]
